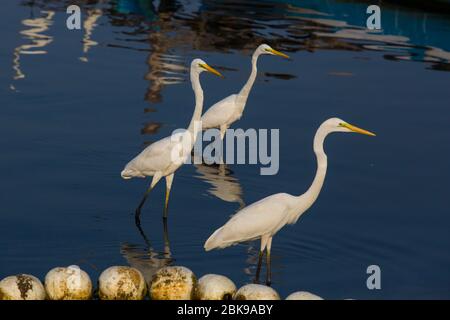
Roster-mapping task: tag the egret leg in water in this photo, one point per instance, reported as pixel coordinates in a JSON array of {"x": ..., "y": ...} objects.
[
  {"x": 137, "y": 216},
  {"x": 167, "y": 252},
  {"x": 264, "y": 243},
  {"x": 258, "y": 268},
  {"x": 169, "y": 180}
]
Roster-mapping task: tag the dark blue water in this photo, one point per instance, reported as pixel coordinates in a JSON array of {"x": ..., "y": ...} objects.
[{"x": 75, "y": 106}]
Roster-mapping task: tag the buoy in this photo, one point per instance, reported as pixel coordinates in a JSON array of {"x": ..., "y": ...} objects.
[
  {"x": 303, "y": 295},
  {"x": 121, "y": 283},
  {"x": 173, "y": 283},
  {"x": 256, "y": 292},
  {"x": 69, "y": 283},
  {"x": 21, "y": 287},
  {"x": 214, "y": 287}
]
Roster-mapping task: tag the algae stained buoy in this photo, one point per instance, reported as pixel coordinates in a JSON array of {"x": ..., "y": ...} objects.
[
  {"x": 21, "y": 287},
  {"x": 68, "y": 283},
  {"x": 173, "y": 283},
  {"x": 121, "y": 283}
]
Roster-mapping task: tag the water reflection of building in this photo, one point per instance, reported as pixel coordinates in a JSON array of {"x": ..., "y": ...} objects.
[
  {"x": 37, "y": 40},
  {"x": 90, "y": 22},
  {"x": 171, "y": 26},
  {"x": 220, "y": 25}
]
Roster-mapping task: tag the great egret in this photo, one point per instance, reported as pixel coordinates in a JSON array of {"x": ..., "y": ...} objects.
[
  {"x": 263, "y": 219},
  {"x": 222, "y": 114},
  {"x": 164, "y": 157}
]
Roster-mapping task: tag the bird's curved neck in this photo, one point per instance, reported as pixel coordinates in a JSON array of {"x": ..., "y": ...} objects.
[
  {"x": 245, "y": 91},
  {"x": 310, "y": 196},
  {"x": 194, "y": 125},
  {"x": 322, "y": 165}
]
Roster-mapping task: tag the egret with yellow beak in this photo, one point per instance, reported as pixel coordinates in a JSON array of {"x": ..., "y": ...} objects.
[
  {"x": 228, "y": 110},
  {"x": 164, "y": 157},
  {"x": 263, "y": 219}
]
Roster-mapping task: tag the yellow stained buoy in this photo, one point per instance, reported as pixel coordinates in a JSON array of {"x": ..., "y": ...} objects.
[
  {"x": 68, "y": 283},
  {"x": 256, "y": 292},
  {"x": 121, "y": 283},
  {"x": 303, "y": 295},
  {"x": 173, "y": 283},
  {"x": 21, "y": 287},
  {"x": 214, "y": 287}
]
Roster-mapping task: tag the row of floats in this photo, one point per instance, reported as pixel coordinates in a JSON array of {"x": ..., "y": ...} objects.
[{"x": 127, "y": 283}]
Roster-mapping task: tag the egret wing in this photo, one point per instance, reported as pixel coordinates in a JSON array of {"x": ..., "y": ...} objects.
[
  {"x": 219, "y": 113},
  {"x": 266, "y": 216},
  {"x": 157, "y": 156}
]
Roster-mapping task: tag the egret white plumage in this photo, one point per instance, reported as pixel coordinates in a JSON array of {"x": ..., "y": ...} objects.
[
  {"x": 264, "y": 218},
  {"x": 164, "y": 157},
  {"x": 223, "y": 113}
]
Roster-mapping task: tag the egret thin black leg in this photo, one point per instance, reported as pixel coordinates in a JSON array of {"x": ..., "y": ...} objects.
[
  {"x": 144, "y": 236},
  {"x": 137, "y": 216},
  {"x": 167, "y": 252},
  {"x": 258, "y": 268}
]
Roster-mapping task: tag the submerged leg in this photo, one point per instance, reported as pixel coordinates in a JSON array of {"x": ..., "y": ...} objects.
[
  {"x": 268, "y": 270},
  {"x": 258, "y": 268},
  {"x": 261, "y": 253},
  {"x": 169, "y": 180},
  {"x": 143, "y": 235},
  {"x": 137, "y": 216},
  {"x": 167, "y": 253}
]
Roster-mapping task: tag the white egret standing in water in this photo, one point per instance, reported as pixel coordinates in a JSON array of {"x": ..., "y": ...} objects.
[
  {"x": 164, "y": 157},
  {"x": 263, "y": 219},
  {"x": 222, "y": 114}
]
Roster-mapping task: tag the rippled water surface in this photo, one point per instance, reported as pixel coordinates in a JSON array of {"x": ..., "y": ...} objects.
[{"x": 75, "y": 106}]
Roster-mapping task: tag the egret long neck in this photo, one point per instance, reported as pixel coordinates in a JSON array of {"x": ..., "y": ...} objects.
[
  {"x": 310, "y": 196},
  {"x": 245, "y": 91},
  {"x": 194, "y": 125},
  {"x": 322, "y": 165}
]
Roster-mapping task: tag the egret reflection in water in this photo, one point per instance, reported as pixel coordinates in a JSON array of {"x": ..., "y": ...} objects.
[
  {"x": 144, "y": 257},
  {"x": 224, "y": 185}
]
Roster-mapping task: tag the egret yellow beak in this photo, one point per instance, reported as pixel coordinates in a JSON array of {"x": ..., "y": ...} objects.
[
  {"x": 278, "y": 53},
  {"x": 210, "y": 69},
  {"x": 356, "y": 129}
]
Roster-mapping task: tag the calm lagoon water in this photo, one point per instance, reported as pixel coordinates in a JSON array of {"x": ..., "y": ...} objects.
[{"x": 75, "y": 106}]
